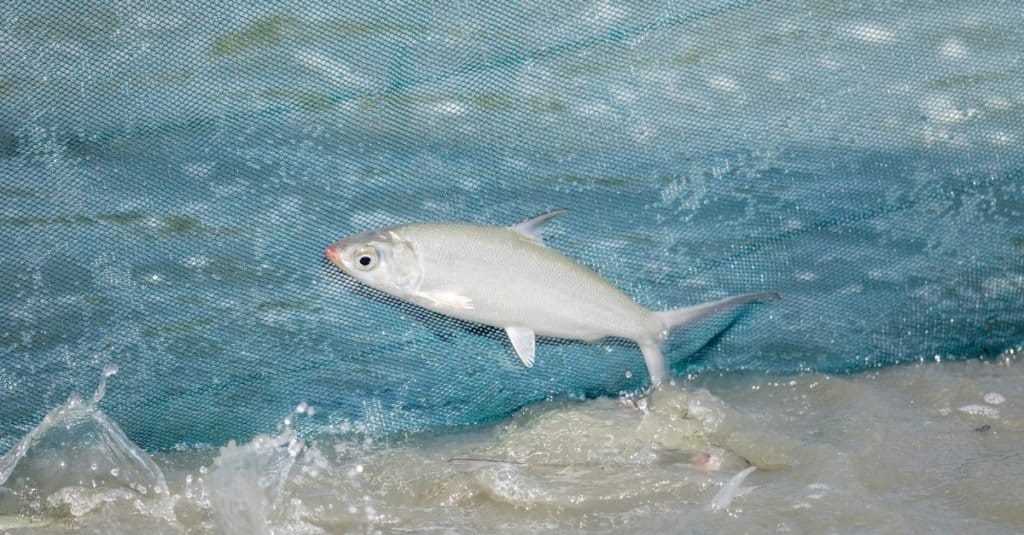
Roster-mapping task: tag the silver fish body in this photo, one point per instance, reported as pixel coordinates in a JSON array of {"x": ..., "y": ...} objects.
[
  {"x": 506, "y": 277},
  {"x": 510, "y": 279}
]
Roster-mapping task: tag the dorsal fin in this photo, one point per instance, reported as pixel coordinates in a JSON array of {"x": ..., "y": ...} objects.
[{"x": 533, "y": 227}]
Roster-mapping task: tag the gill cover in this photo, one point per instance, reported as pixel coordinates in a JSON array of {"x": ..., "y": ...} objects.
[{"x": 383, "y": 260}]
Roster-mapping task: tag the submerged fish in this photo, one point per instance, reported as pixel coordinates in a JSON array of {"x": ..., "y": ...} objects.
[{"x": 506, "y": 277}]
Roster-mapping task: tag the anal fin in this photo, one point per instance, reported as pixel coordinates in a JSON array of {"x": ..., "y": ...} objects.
[{"x": 525, "y": 343}]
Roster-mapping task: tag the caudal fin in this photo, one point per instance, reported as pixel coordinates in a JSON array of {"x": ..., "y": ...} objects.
[
  {"x": 655, "y": 362},
  {"x": 680, "y": 317}
]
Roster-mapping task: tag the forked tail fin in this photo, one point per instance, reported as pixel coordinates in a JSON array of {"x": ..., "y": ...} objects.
[{"x": 680, "y": 317}]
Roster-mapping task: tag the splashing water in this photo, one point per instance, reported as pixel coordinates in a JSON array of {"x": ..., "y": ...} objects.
[
  {"x": 245, "y": 486},
  {"x": 75, "y": 460},
  {"x": 723, "y": 499},
  {"x": 685, "y": 459},
  {"x": 78, "y": 460}
]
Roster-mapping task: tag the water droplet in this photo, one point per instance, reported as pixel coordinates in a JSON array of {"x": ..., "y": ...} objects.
[
  {"x": 295, "y": 447},
  {"x": 101, "y": 389},
  {"x": 115, "y": 472},
  {"x": 629, "y": 374}
]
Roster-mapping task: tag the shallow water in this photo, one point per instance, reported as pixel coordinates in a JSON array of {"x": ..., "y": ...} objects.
[{"x": 929, "y": 446}]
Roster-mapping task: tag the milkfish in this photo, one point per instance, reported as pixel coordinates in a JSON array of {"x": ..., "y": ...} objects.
[{"x": 506, "y": 277}]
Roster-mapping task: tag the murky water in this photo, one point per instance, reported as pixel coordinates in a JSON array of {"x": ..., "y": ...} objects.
[{"x": 908, "y": 449}]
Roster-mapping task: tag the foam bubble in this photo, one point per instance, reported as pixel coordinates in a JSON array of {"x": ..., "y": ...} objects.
[
  {"x": 994, "y": 398},
  {"x": 975, "y": 409}
]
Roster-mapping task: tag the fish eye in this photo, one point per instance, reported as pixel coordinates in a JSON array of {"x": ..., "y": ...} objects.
[{"x": 366, "y": 258}]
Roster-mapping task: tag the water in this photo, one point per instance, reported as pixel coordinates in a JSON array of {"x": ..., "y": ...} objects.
[
  {"x": 170, "y": 175},
  {"x": 900, "y": 449}
]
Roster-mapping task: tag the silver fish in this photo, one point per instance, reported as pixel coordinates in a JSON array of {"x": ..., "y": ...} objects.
[{"x": 506, "y": 277}]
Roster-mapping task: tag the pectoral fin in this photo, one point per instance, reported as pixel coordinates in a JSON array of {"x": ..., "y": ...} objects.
[
  {"x": 525, "y": 343},
  {"x": 444, "y": 300}
]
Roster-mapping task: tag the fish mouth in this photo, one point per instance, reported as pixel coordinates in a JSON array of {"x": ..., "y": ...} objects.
[{"x": 333, "y": 253}]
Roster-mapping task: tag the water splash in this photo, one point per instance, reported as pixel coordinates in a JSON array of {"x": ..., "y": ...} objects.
[
  {"x": 724, "y": 497},
  {"x": 75, "y": 460},
  {"x": 247, "y": 481},
  {"x": 101, "y": 389}
]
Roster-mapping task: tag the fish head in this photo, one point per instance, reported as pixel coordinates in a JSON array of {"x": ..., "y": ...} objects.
[{"x": 380, "y": 259}]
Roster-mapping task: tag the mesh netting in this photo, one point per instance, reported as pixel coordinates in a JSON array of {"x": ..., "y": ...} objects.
[{"x": 170, "y": 174}]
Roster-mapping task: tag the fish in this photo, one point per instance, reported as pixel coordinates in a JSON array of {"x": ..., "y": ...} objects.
[{"x": 508, "y": 278}]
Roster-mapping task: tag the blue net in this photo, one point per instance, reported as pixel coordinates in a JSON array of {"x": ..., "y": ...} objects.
[{"x": 170, "y": 174}]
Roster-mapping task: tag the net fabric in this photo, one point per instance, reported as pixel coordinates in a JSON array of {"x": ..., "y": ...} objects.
[{"x": 171, "y": 172}]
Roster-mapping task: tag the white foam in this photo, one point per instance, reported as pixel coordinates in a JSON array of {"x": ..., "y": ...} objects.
[
  {"x": 508, "y": 484},
  {"x": 994, "y": 398},
  {"x": 975, "y": 409}
]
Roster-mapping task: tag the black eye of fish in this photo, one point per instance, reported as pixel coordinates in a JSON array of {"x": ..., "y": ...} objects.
[{"x": 365, "y": 260}]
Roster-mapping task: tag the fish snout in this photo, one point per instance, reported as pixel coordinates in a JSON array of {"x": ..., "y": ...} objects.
[{"x": 333, "y": 253}]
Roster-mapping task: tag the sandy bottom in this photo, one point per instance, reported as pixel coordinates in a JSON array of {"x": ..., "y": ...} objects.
[{"x": 926, "y": 447}]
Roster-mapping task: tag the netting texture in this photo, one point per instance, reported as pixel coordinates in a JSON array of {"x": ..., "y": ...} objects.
[{"x": 170, "y": 173}]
